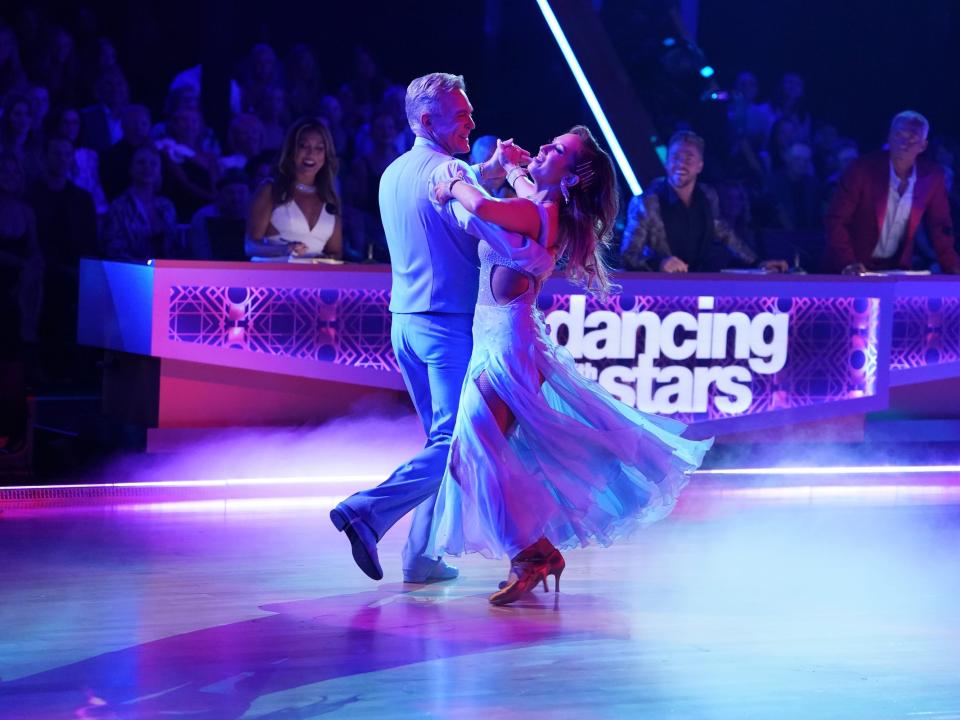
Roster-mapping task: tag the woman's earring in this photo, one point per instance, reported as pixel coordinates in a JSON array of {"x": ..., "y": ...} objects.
[{"x": 565, "y": 191}]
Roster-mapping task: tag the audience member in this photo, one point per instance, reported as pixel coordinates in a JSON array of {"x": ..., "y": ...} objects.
[
  {"x": 58, "y": 70},
  {"x": 272, "y": 113},
  {"x": 217, "y": 231},
  {"x": 880, "y": 201},
  {"x": 332, "y": 114},
  {"x": 303, "y": 84},
  {"x": 675, "y": 226},
  {"x": 12, "y": 76},
  {"x": 16, "y": 135},
  {"x": 244, "y": 141},
  {"x": 298, "y": 213},
  {"x": 85, "y": 173},
  {"x": 115, "y": 162},
  {"x": 190, "y": 82},
  {"x": 361, "y": 191},
  {"x": 789, "y": 103},
  {"x": 795, "y": 191},
  {"x": 66, "y": 230},
  {"x": 39, "y": 98},
  {"x": 262, "y": 75},
  {"x": 21, "y": 264},
  {"x": 189, "y": 173},
  {"x": 20, "y": 276},
  {"x": 141, "y": 224},
  {"x": 101, "y": 121}
]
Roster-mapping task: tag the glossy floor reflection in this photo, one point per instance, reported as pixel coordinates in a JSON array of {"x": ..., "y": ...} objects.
[{"x": 254, "y": 610}]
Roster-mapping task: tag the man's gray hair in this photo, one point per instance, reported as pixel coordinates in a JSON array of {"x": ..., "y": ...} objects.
[
  {"x": 913, "y": 117},
  {"x": 424, "y": 93}
]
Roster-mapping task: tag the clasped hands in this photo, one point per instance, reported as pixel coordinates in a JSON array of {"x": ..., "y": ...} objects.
[{"x": 506, "y": 157}]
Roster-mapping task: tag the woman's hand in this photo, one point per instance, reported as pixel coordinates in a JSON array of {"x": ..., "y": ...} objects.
[
  {"x": 442, "y": 190},
  {"x": 508, "y": 154},
  {"x": 297, "y": 249}
]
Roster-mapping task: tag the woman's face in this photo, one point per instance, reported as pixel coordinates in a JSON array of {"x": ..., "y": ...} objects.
[
  {"x": 39, "y": 99},
  {"x": 70, "y": 125},
  {"x": 20, "y": 118},
  {"x": 555, "y": 160},
  {"x": 11, "y": 178},
  {"x": 310, "y": 154},
  {"x": 145, "y": 168}
]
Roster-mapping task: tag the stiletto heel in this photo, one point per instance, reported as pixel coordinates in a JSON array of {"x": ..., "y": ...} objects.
[{"x": 555, "y": 566}]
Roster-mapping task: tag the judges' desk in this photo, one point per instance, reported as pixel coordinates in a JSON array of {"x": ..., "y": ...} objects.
[{"x": 211, "y": 344}]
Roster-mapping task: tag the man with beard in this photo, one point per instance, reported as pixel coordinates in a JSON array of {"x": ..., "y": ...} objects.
[{"x": 675, "y": 227}]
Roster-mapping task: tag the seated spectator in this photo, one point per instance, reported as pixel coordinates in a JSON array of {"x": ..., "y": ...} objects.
[
  {"x": 262, "y": 75},
  {"x": 115, "y": 162},
  {"x": 12, "y": 76},
  {"x": 244, "y": 141},
  {"x": 189, "y": 172},
  {"x": 141, "y": 224},
  {"x": 675, "y": 227},
  {"x": 21, "y": 270},
  {"x": 190, "y": 82},
  {"x": 58, "y": 69},
  {"x": 39, "y": 98},
  {"x": 331, "y": 113},
  {"x": 186, "y": 97},
  {"x": 880, "y": 201},
  {"x": 16, "y": 135},
  {"x": 101, "y": 121},
  {"x": 734, "y": 210},
  {"x": 789, "y": 103},
  {"x": 66, "y": 230},
  {"x": 85, "y": 173},
  {"x": 272, "y": 113},
  {"x": 100, "y": 57},
  {"x": 21, "y": 264},
  {"x": 260, "y": 168},
  {"x": 361, "y": 191},
  {"x": 795, "y": 192},
  {"x": 846, "y": 152},
  {"x": 303, "y": 86},
  {"x": 298, "y": 213},
  {"x": 217, "y": 231}
]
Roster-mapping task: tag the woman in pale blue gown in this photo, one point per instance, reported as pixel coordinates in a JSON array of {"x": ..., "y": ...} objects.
[{"x": 542, "y": 458}]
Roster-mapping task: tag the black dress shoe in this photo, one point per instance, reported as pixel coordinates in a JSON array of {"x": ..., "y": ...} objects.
[{"x": 362, "y": 541}]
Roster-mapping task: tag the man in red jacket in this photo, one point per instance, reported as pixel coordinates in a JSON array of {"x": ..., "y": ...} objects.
[{"x": 881, "y": 199}]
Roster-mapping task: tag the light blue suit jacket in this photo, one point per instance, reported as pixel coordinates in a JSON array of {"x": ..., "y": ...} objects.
[{"x": 433, "y": 247}]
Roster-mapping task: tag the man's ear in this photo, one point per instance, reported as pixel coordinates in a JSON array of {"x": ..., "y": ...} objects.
[{"x": 425, "y": 121}]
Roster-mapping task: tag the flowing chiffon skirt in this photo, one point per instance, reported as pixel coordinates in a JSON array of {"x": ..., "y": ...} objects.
[{"x": 577, "y": 467}]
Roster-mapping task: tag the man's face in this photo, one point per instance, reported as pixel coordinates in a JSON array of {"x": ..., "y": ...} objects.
[
  {"x": 684, "y": 164},
  {"x": 234, "y": 200},
  {"x": 450, "y": 127},
  {"x": 907, "y": 140},
  {"x": 136, "y": 125},
  {"x": 59, "y": 158}
]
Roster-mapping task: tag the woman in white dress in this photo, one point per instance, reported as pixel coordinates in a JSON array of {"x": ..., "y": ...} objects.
[
  {"x": 542, "y": 458},
  {"x": 297, "y": 213}
]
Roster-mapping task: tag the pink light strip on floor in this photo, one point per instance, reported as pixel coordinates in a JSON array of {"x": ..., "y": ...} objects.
[
  {"x": 227, "y": 482},
  {"x": 838, "y": 470}
]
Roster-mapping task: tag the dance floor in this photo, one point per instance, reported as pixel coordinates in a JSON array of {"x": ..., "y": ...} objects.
[{"x": 805, "y": 603}]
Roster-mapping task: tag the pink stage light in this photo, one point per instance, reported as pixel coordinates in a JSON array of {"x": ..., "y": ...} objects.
[{"x": 837, "y": 470}]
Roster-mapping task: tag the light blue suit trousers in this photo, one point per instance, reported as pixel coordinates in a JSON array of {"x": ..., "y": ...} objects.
[{"x": 433, "y": 351}]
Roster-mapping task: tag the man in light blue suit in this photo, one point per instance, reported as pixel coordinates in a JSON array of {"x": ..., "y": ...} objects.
[{"x": 435, "y": 273}]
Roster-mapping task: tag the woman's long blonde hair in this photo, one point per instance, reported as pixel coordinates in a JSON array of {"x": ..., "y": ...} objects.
[{"x": 587, "y": 219}]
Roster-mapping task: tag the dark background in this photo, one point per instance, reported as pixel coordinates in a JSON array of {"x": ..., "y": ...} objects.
[{"x": 863, "y": 60}]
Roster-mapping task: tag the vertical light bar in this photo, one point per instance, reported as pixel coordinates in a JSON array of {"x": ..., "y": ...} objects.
[{"x": 590, "y": 97}]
